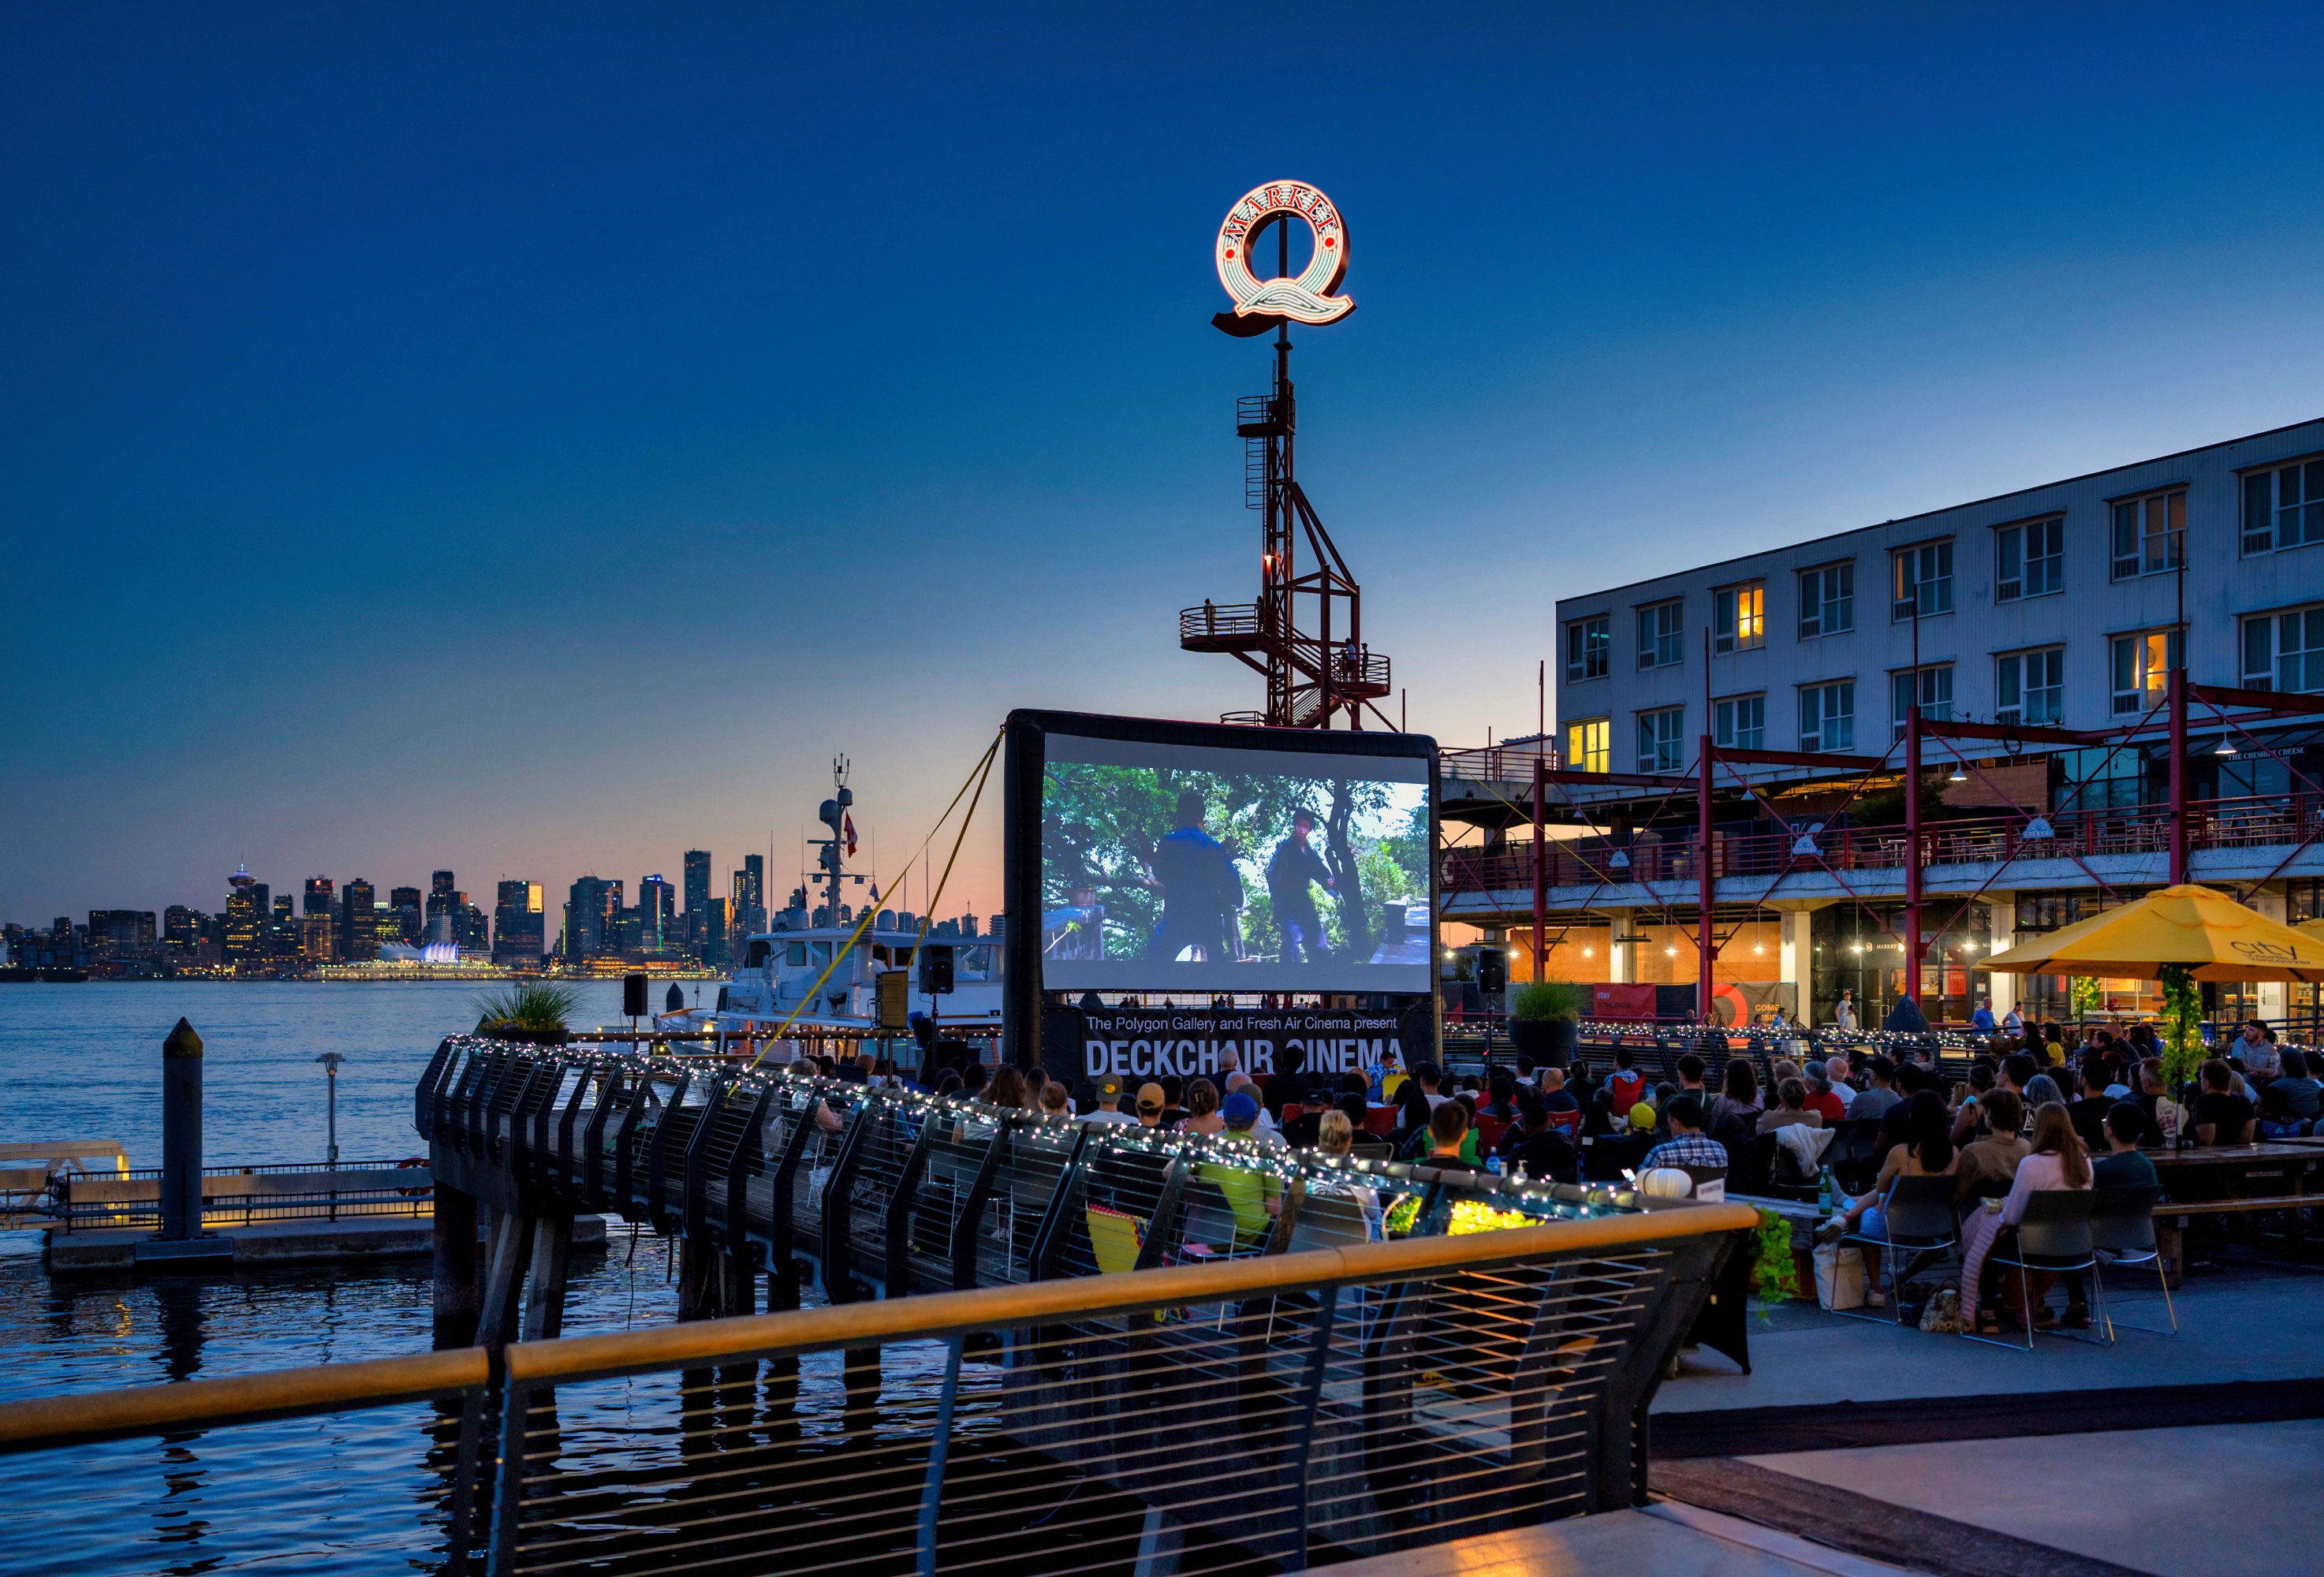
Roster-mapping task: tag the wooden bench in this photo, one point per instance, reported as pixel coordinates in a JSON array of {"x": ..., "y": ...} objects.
[{"x": 2171, "y": 1219}]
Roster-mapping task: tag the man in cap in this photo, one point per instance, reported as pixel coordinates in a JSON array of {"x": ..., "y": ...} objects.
[
  {"x": 1150, "y": 1103},
  {"x": 1293, "y": 874},
  {"x": 1109, "y": 1105},
  {"x": 1241, "y": 1113}
]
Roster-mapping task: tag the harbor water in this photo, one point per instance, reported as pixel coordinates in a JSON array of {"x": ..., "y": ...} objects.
[{"x": 83, "y": 1062}]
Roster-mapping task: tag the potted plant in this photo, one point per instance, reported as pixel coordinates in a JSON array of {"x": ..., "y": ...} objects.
[
  {"x": 1544, "y": 1020},
  {"x": 532, "y": 1014}
]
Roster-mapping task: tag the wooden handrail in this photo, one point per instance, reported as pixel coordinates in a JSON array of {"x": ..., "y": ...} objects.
[
  {"x": 935, "y": 1315},
  {"x": 76, "y": 1417}
]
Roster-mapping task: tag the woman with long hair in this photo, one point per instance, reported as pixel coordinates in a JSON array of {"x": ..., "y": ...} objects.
[
  {"x": 1738, "y": 1093},
  {"x": 1008, "y": 1089},
  {"x": 1927, "y": 1152},
  {"x": 1412, "y": 1113},
  {"x": 2055, "y": 1160},
  {"x": 1203, "y": 1108}
]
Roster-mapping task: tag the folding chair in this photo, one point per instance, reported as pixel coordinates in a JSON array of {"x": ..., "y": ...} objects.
[
  {"x": 1919, "y": 1217},
  {"x": 2054, "y": 1235},
  {"x": 2122, "y": 1229}
]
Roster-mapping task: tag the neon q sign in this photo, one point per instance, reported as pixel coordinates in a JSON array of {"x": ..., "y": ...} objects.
[{"x": 1262, "y": 304}]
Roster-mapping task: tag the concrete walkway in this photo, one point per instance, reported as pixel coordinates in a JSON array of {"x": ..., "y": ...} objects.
[
  {"x": 2231, "y": 1500},
  {"x": 2244, "y": 1324},
  {"x": 1668, "y": 1540}
]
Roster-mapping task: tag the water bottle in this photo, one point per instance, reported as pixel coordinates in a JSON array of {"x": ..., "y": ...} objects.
[
  {"x": 1823, "y": 1193},
  {"x": 1493, "y": 1165}
]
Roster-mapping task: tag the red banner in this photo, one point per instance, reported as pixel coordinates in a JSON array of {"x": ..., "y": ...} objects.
[{"x": 1612, "y": 1001}]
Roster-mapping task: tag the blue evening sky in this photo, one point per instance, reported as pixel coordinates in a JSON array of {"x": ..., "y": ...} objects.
[{"x": 534, "y": 439}]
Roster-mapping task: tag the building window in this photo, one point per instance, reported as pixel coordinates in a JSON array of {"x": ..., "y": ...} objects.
[
  {"x": 1740, "y": 723},
  {"x": 1739, "y": 618},
  {"x": 1828, "y": 717},
  {"x": 2284, "y": 508},
  {"x": 2147, "y": 532},
  {"x": 1658, "y": 634},
  {"x": 1659, "y": 736},
  {"x": 2030, "y": 687},
  {"x": 1587, "y": 644},
  {"x": 1827, "y": 600},
  {"x": 1936, "y": 696},
  {"x": 2284, "y": 651},
  {"x": 2029, "y": 560},
  {"x": 1924, "y": 580},
  {"x": 1590, "y": 745},
  {"x": 2142, "y": 666}
]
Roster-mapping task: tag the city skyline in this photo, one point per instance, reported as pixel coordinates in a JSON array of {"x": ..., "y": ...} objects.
[{"x": 472, "y": 445}]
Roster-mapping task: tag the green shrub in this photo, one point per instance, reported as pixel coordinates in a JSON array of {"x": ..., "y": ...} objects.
[
  {"x": 536, "y": 1005},
  {"x": 1545, "y": 1001}
]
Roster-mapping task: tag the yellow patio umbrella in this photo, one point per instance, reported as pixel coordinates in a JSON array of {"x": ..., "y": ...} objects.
[{"x": 2211, "y": 933}]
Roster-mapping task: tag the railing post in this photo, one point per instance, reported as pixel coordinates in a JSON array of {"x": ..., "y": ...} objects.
[
  {"x": 939, "y": 1448},
  {"x": 1303, "y": 1432},
  {"x": 508, "y": 1482}
]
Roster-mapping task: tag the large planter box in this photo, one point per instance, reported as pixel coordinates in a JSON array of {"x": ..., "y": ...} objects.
[{"x": 1549, "y": 1042}]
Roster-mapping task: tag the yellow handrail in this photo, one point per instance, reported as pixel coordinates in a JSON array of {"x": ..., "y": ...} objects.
[
  {"x": 323, "y": 1387},
  {"x": 52, "y": 1421}
]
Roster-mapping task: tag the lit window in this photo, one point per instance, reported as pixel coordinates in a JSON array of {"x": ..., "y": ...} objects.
[
  {"x": 1924, "y": 581},
  {"x": 1590, "y": 745},
  {"x": 1827, "y": 600},
  {"x": 2142, "y": 666},
  {"x": 1828, "y": 717},
  {"x": 1660, "y": 736},
  {"x": 1658, "y": 634},
  {"x": 1740, "y": 723},
  {"x": 2030, "y": 687},
  {"x": 2284, "y": 507},
  {"x": 1739, "y": 618},
  {"x": 1936, "y": 696},
  {"x": 1588, "y": 643},
  {"x": 2147, "y": 534},
  {"x": 2029, "y": 560}
]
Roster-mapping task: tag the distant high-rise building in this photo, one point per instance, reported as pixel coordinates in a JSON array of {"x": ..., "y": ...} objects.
[
  {"x": 593, "y": 909},
  {"x": 317, "y": 940},
  {"x": 120, "y": 935},
  {"x": 750, "y": 894},
  {"x": 358, "y": 938},
  {"x": 518, "y": 925},
  {"x": 319, "y": 895},
  {"x": 697, "y": 901},
  {"x": 657, "y": 931},
  {"x": 718, "y": 933},
  {"x": 285, "y": 953},
  {"x": 386, "y": 925},
  {"x": 472, "y": 929},
  {"x": 410, "y": 922},
  {"x": 181, "y": 929},
  {"x": 245, "y": 919},
  {"x": 443, "y": 898},
  {"x": 441, "y": 884}
]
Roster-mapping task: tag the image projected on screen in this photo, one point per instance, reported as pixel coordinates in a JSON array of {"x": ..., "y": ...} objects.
[{"x": 1183, "y": 868}]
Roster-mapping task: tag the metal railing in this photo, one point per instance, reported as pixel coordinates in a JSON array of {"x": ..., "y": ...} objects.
[
  {"x": 1979, "y": 839},
  {"x": 245, "y": 1196},
  {"x": 891, "y": 1192},
  {"x": 1292, "y": 1410},
  {"x": 1500, "y": 763}
]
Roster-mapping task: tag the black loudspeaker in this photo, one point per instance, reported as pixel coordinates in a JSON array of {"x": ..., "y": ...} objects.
[
  {"x": 1492, "y": 970},
  {"x": 633, "y": 996},
  {"x": 935, "y": 970}
]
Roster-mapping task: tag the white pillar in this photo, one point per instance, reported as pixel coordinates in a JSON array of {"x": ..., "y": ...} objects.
[
  {"x": 1621, "y": 948},
  {"x": 2003, "y": 908},
  {"x": 1797, "y": 960},
  {"x": 2271, "y": 993}
]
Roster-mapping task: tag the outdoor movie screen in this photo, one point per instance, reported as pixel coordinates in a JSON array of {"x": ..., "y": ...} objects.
[{"x": 1176, "y": 867}]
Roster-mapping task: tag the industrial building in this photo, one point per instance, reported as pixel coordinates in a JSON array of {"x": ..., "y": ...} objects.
[{"x": 2023, "y": 646}]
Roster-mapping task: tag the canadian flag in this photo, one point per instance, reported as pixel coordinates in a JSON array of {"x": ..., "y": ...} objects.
[{"x": 848, "y": 831}]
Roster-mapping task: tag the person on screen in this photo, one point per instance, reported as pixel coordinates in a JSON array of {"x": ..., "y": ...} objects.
[
  {"x": 1199, "y": 889},
  {"x": 1292, "y": 875}
]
